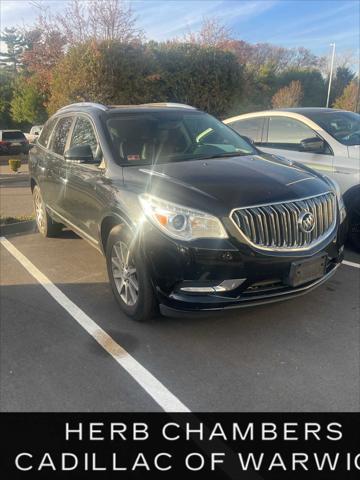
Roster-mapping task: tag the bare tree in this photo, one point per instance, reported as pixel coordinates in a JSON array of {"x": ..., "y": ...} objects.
[
  {"x": 99, "y": 20},
  {"x": 113, "y": 19},
  {"x": 74, "y": 21},
  {"x": 280, "y": 58},
  {"x": 289, "y": 96},
  {"x": 212, "y": 33},
  {"x": 346, "y": 59}
]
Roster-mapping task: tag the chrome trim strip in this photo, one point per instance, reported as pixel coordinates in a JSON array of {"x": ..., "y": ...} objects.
[
  {"x": 285, "y": 201},
  {"x": 301, "y": 180},
  {"x": 76, "y": 228}
]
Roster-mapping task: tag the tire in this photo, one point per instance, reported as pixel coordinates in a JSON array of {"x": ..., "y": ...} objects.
[
  {"x": 354, "y": 227},
  {"x": 128, "y": 275},
  {"x": 45, "y": 225}
]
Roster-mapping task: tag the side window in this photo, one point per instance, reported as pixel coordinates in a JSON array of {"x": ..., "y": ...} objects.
[
  {"x": 60, "y": 135},
  {"x": 250, "y": 127},
  {"x": 46, "y": 132},
  {"x": 83, "y": 134},
  {"x": 288, "y": 133}
]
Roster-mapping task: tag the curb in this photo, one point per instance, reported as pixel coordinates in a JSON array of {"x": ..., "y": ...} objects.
[
  {"x": 9, "y": 178},
  {"x": 18, "y": 227}
]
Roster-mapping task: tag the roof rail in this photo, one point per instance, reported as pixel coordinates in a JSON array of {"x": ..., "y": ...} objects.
[
  {"x": 84, "y": 104},
  {"x": 168, "y": 104}
]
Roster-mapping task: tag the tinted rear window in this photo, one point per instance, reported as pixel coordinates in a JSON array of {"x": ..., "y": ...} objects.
[{"x": 13, "y": 136}]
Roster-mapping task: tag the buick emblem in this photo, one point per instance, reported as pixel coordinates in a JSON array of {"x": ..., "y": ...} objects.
[{"x": 306, "y": 222}]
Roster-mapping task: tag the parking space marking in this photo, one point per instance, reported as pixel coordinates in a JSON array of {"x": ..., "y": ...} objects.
[
  {"x": 162, "y": 396},
  {"x": 351, "y": 264}
]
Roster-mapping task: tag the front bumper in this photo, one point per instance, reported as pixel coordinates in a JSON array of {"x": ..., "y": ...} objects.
[
  {"x": 174, "y": 265},
  {"x": 17, "y": 150},
  {"x": 182, "y": 306}
]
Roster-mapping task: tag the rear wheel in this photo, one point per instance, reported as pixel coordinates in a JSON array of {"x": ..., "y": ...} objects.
[
  {"x": 46, "y": 226},
  {"x": 128, "y": 274}
]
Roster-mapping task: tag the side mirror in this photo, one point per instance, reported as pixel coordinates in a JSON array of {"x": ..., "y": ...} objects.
[
  {"x": 314, "y": 144},
  {"x": 79, "y": 154}
]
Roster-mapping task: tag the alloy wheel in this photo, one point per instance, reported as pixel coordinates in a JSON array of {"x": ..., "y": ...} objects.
[
  {"x": 40, "y": 213},
  {"x": 124, "y": 273}
]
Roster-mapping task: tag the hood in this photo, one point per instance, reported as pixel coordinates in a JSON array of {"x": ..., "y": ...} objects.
[{"x": 231, "y": 182}]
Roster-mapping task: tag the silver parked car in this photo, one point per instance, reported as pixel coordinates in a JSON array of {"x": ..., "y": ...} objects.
[{"x": 324, "y": 139}]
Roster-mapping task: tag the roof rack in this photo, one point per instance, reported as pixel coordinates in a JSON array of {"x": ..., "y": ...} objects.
[
  {"x": 168, "y": 104},
  {"x": 104, "y": 107},
  {"x": 84, "y": 104}
]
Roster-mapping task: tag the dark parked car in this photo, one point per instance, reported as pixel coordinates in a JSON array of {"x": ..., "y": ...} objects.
[
  {"x": 189, "y": 215},
  {"x": 13, "y": 142}
]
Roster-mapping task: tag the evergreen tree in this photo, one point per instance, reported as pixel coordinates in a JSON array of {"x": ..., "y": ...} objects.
[
  {"x": 15, "y": 46},
  {"x": 27, "y": 104},
  {"x": 343, "y": 78}
]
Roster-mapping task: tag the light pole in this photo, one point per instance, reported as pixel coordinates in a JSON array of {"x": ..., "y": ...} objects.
[{"x": 331, "y": 73}]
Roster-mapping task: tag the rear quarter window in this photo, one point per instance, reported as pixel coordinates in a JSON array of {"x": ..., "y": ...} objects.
[{"x": 249, "y": 127}]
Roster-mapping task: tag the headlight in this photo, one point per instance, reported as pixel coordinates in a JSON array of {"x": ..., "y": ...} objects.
[{"x": 181, "y": 222}]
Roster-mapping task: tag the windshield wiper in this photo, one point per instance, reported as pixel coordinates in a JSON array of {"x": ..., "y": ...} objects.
[{"x": 224, "y": 155}]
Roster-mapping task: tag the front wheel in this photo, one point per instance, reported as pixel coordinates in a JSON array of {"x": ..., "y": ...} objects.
[
  {"x": 128, "y": 275},
  {"x": 46, "y": 226}
]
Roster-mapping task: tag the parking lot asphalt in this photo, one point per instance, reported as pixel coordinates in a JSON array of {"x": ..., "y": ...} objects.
[
  {"x": 15, "y": 198},
  {"x": 297, "y": 355}
]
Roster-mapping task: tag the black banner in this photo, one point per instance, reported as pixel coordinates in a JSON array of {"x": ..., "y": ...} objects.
[{"x": 201, "y": 445}]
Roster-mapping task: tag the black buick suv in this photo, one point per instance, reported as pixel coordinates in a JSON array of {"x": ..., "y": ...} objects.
[{"x": 189, "y": 215}]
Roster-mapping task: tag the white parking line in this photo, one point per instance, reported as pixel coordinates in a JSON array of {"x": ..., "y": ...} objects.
[
  {"x": 351, "y": 264},
  {"x": 143, "y": 377}
]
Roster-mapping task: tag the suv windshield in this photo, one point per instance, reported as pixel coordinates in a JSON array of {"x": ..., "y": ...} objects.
[
  {"x": 162, "y": 137},
  {"x": 344, "y": 126}
]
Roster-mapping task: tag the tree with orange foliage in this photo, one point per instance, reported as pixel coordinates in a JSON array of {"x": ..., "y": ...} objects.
[
  {"x": 350, "y": 99},
  {"x": 289, "y": 96}
]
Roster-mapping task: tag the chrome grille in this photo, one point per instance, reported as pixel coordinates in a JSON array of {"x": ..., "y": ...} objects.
[{"x": 277, "y": 226}]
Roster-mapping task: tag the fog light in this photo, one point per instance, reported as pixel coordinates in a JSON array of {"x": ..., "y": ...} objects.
[
  {"x": 224, "y": 286},
  {"x": 226, "y": 256},
  {"x": 228, "y": 285}
]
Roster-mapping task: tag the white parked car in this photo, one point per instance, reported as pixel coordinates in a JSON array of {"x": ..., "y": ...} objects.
[
  {"x": 324, "y": 139},
  {"x": 34, "y": 133}
]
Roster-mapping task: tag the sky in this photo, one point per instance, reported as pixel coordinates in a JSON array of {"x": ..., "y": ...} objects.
[{"x": 313, "y": 24}]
